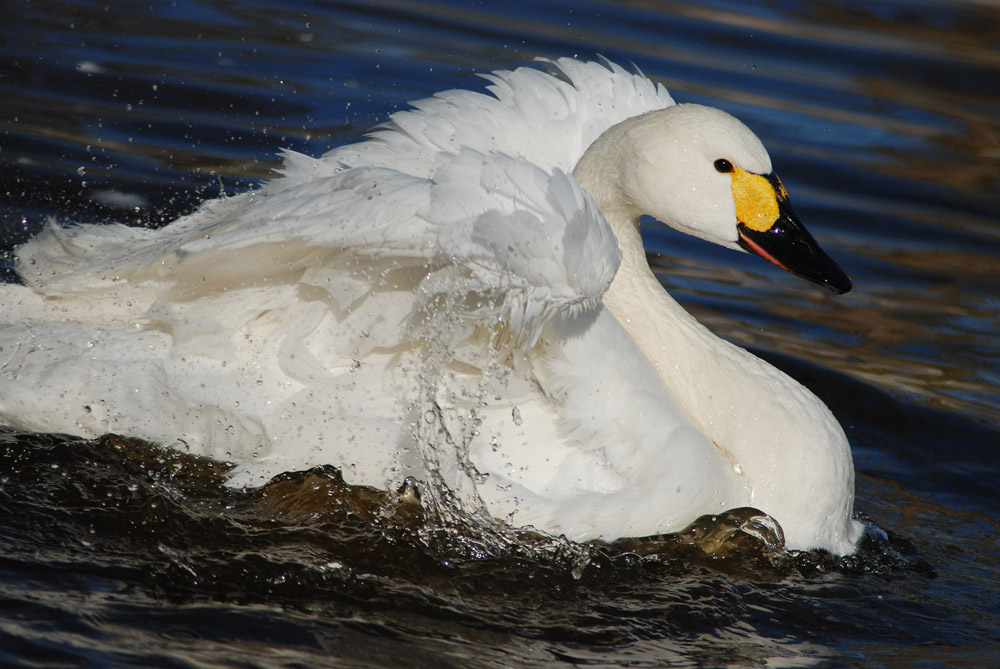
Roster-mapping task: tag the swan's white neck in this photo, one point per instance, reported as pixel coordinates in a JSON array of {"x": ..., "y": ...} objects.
[
  {"x": 784, "y": 443},
  {"x": 680, "y": 349},
  {"x": 712, "y": 379}
]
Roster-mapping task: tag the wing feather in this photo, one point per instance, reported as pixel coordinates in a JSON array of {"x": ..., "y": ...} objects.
[{"x": 319, "y": 281}]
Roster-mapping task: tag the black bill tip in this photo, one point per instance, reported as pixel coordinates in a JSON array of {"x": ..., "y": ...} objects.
[{"x": 789, "y": 245}]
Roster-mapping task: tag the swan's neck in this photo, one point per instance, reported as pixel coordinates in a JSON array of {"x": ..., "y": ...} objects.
[
  {"x": 719, "y": 384},
  {"x": 686, "y": 355},
  {"x": 677, "y": 345},
  {"x": 785, "y": 445}
]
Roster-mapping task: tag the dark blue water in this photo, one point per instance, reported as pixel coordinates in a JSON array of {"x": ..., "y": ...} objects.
[{"x": 882, "y": 119}]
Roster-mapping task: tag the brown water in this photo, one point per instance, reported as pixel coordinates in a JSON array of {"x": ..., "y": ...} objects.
[{"x": 881, "y": 119}]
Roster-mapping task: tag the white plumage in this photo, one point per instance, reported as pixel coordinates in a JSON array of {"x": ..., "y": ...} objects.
[{"x": 444, "y": 301}]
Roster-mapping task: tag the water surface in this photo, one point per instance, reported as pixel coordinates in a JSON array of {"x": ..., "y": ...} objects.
[{"x": 881, "y": 119}]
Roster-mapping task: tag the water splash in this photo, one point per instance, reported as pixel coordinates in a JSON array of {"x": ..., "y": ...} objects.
[{"x": 447, "y": 404}]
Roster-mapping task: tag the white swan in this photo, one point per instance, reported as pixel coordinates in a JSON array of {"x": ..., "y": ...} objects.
[{"x": 446, "y": 294}]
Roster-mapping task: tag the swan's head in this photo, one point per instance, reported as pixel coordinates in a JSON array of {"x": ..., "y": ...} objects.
[{"x": 703, "y": 172}]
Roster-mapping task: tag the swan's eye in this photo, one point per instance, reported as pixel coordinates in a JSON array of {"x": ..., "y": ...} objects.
[{"x": 723, "y": 165}]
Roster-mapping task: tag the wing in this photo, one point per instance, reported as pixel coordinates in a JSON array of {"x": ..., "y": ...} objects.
[
  {"x": 504, "y": 240},
  {"x": 313, "y": 294},
  {"x": 542, "y": 119},
  {"x": 317, "y": 284}
]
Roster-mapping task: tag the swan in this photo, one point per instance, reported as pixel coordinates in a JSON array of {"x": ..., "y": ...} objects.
[{"x": 463, "y": 296}]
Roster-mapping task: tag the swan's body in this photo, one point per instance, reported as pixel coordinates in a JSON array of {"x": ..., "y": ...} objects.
[{"x": 448, "y": 284}]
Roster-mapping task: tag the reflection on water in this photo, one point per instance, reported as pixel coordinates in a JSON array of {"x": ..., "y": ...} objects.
[
  {"x": 917, "y": 342},
  {"x": 882, "y": 120}
]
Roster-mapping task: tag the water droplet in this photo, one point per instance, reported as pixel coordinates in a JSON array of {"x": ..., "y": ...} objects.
[{"x": 516, "y": 415}]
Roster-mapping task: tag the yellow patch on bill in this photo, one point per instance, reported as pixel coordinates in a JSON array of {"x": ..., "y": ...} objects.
[{"x": 756, "y": 201}]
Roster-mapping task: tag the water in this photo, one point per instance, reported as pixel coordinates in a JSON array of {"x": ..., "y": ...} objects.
[{"x": 881, "y": 120}]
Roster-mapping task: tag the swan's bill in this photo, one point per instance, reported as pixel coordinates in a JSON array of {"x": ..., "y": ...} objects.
[{"x": 768, "y": 227}]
